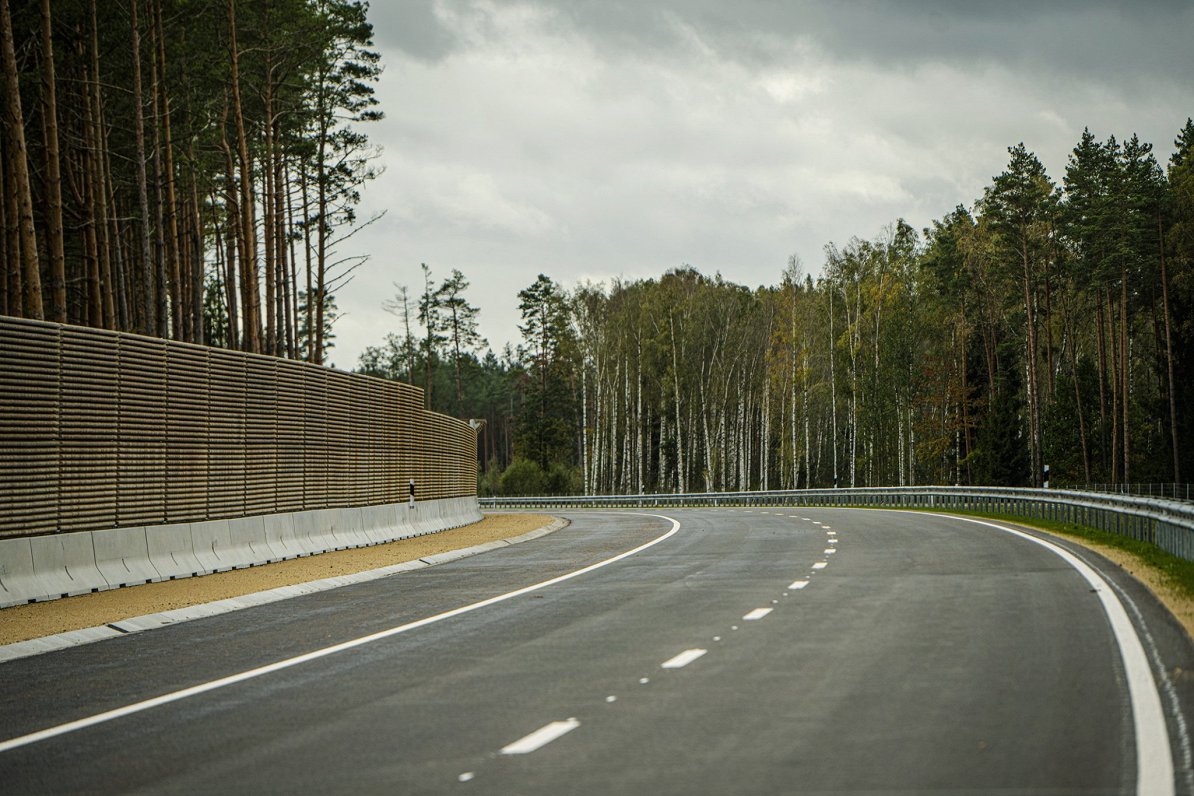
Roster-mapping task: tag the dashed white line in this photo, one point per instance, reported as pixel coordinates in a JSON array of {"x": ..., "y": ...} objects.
[
  {"x": 240, "y": 677},
  {"x": 830, "y": 551},
  {"x": 540, "y": 737},
  {"x": 820, "y": 565},
  {"x": 800, "y": 584},
  {"x": 466, "y": 776},
  {"x": 757, "y": 613},
  {"x": 683, "y": 659}
]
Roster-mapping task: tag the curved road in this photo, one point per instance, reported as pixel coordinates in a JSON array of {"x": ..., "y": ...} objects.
[{"x": 706, "y": 651}]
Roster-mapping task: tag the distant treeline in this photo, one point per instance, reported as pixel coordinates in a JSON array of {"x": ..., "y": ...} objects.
[
  {"x": 1048, "y": 324},
  {"x": 183, "y": 168}
]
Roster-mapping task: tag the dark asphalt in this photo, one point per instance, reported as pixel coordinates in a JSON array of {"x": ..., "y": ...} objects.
[{"x": 929, "y": 654}]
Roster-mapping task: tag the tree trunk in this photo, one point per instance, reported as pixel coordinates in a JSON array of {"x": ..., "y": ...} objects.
[
  {"x": 832, "y": 388},
  {"x": 17, "y": 154},
  {"x": 149, "y": 323},
  {"x": 282, "y": 291},
  {"x": 681, "y": 480},
  {"x": 6, "y": 263},
  {"x": 292, "y": 310},
  {"x": 232, "y": 242},
  {"x": 180, "y": 318},
  {"x": 1125, "y": 367},
  {"x": 251, "y": 295},
  {"x": 161, "y": 281},
  {"x": 198, "y": 334},
  {"x": 1034, "y": 417},
  {"x": 1169, "y": 357},
  {"x": 268, "y": 205},
  {"x": 54, "y": 234},
  {"x": 1116, "y": 382},
  {"x": 321, "y": 234}
]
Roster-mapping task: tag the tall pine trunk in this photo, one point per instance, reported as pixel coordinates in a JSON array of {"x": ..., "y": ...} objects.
[
  {"x": 54, "y": 234},
  {"x": 17, "y": 154},
  {"x": 250, "y": 291},
  {"x": 1169, "y": 357},
  {"x": 149, "y": 322}
]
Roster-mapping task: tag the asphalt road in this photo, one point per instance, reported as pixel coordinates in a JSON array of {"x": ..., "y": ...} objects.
[{"x": 732, "y": 654}]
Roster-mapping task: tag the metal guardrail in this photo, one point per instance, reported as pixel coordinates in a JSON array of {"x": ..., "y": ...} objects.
[
  {"x": 1161, "y": 490},
  {"x": 1169, "y": 524}
]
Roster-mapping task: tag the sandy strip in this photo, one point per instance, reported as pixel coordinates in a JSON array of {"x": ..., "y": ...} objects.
[{"x": 23, "y": 622}]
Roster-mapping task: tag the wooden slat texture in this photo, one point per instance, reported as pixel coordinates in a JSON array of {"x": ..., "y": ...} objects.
[
  {"x": 226, "y": 433},
  {"x": 315, "y": 428},
  {"x": 89, "y": 424},
  {"x": 28, "y": 427},
  {"x": 101, "y": 429},
  {"x": 188, "y": 437},
  {"x": 261, "y": 435},
  {"x": 291, "y": 409},
  {"x": 141, "y": 413}
]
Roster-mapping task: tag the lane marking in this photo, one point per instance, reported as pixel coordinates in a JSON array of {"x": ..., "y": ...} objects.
[
  {"x": 466, "y": 776},
  {"x": 800, "y": 584},
  {"x": 830, "y": 551},
  {"x": 683, "y": 659},
  {"x": 540, "y": 737},
  {"x": 240, "y": 677},
  {"x": 820, "y": 565},
  {"x": 831, "y": 540},
  {"x": 1154, "y": 760},
  {"x": 757, "y": 613}
]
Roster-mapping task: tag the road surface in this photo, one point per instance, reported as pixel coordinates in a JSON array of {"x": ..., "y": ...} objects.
[{"x": 690, "y": 651}]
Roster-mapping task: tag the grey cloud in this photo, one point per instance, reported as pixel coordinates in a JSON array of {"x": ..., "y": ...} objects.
[
  {"x": 1114, "y": 41},
  {"x": 413, "y": 27}
]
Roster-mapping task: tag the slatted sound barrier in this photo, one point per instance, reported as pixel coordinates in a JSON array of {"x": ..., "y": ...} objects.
[{"x": 102, "y": 429}]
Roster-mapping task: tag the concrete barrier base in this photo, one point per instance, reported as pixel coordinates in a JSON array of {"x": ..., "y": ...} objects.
[{"x": 34, "y": 569}]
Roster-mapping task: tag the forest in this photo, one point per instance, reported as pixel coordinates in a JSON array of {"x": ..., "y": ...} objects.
[
  {"x": 1047, "y": 325},
  {"x": 185, "y": 168},
  {"x": 190, "y": 169}
]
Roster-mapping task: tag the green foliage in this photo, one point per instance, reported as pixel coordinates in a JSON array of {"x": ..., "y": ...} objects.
[{"x": 1022, "y": 331}]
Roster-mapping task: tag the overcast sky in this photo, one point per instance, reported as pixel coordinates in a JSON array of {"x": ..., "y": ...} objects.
[{"x": 597, "y": 139}]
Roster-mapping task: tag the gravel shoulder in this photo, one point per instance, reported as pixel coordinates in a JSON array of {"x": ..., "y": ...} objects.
[{"x": 35, "y": 620}]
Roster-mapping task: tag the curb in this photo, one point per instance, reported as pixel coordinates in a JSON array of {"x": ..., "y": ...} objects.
[{"x": 137, "y": 624}]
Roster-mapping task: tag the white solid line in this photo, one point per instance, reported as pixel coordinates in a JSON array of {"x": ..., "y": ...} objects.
[
  {"x": 1154, "y": 760},
  {"x": 232, "y": 679},
  {"x": 800, "y": 584},
  {"x": 683, "y": 659},
  {"x": 540, "y": 737},
  {"x": 820, "y": 565},
  {"x": 757, "y": 613}
]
